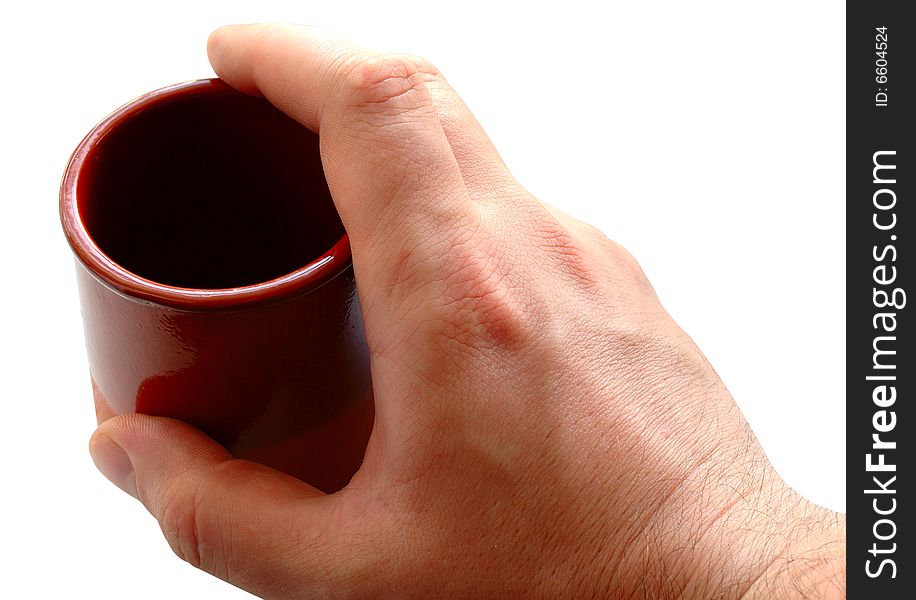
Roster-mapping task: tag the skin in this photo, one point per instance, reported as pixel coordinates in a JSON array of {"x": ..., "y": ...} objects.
[{"x": 543, "y": 427}]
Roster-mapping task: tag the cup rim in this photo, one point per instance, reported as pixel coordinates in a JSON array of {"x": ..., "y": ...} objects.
[{"x": 305, "y": 279}]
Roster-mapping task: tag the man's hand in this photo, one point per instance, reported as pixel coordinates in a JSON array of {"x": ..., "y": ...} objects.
[{"x": 543, "y": 428}]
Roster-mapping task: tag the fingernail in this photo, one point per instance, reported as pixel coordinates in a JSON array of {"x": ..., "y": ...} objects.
[{"x": 113, "y": 462}]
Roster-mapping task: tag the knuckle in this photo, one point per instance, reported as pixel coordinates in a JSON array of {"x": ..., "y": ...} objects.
[
  {"x": 481, "y": 307},
  {"x": 462, "y": 291},
  {"x": 564, "y": 250},
  {"x": 624, "y": 264},
  {"x": 179, "y": 519},
  {"x": 484, "y": 315},
  {"x": 423, "y": 69},
  {"x": 621, "y": 257},
  {"x": 598, "y": 261},
  {"x": 593, "y": 234},
  {"x": 583, "y": 244},
  {"x": 198, "y": 532},
  {"x": 386, "y": 82},
  {"x": 201, "y": 529}
]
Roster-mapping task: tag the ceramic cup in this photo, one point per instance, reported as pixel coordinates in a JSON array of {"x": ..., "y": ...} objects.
[{"x": 215, "y": 279}]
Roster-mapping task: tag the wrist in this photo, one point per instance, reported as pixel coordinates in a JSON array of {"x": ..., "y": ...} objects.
[
  {"x": 813, "y": 567},
  {"x": 752, "y": 537},
  {"x": 773, "y": 543}
]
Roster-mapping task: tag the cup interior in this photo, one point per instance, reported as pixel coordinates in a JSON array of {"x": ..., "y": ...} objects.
[{"x": 209, "y": 189}]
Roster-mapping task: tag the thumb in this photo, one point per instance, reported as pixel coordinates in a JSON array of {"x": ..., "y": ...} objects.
[{"x": 240, "y": 521}]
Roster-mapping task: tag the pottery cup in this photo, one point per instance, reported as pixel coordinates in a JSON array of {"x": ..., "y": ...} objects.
[{"x": 215, "y": 279}]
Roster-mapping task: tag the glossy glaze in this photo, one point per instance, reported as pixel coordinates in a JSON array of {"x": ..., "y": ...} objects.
[{"x": 205, "y": 192}]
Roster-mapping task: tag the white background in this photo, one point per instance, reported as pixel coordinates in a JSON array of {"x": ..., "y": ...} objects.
[{"x": 707, "y": 137}]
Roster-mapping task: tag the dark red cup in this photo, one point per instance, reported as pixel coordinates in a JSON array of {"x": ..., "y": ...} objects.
[{"x": 216, "y": 282}]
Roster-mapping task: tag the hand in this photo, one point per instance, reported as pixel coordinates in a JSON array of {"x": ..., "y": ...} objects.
[{"x": 543, "y": 428}]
